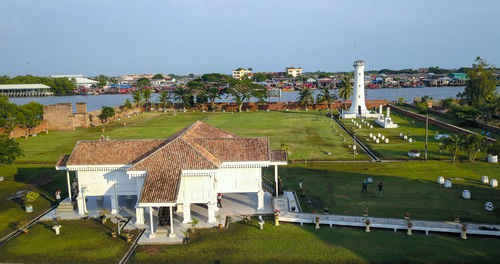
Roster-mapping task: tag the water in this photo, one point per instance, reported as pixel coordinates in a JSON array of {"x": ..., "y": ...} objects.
[{"x": 96, "y": 102}]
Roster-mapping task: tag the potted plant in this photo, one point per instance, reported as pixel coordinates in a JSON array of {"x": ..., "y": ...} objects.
[
  {"x": 129, "y": 237},
  {"x": 193, "y": 224},
  {"x": 316, "y": 220},
  {"x": 407, "y": 216},
  {"x": 58, "y": 195},
  {"x": 113, "y": 234},
  {"x": 457, "y": 219},
  {"x": 22, "y": 226},
  {"x": 364, "y": 213},
  {"x": 367, "y": 223},
  {"x": 276, "y": 217},
  {"x": 103, "y": 215},
  {"x": 29, "y": 199},
  {"x": 410, "y": 225}
]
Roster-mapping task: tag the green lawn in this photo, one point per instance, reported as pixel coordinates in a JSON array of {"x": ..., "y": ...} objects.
[
  {"x": 398, "y": 148},
  {"x": 308, "y": 134},
  {"x": 408, "y": 187},
  {"x": 43, "y": 180},
  {"x": 46, "y": 149},
  {"x": 79, "y": 242},
  {"x": 243, "y": 242}
]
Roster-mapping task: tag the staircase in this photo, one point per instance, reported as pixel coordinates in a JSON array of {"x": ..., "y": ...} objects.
[
  {"x": 164, "y": 216},
  {"x": 65, "y": 207}
]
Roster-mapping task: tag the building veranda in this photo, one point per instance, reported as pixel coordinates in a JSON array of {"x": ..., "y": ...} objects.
[{"x": 170, "y": 175}]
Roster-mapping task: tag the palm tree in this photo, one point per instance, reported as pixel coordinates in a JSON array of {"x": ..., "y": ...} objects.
[
  {"x": 453, "y": 144},
  {"x": 137, "y": 97},
  {"x": 146, "y": 94},
  {"x": 10, "y": 125},
  {"x": 242, "y": 90},
  {"x": 127, "y": 106},
  {"x": 305, "y": 97},
  {"x": 326, "y": 96},
  {"x": 163, "y": 99},
  {"x": 345, "y": 89},
  {"x": 472, "y": 144},
  {"x": 182, "y": 93}
]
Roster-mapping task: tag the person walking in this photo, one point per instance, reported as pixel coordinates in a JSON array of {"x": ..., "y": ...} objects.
[
  {"x": 380, "y": 190},
  {"x": 219, "y": 200},
  {"x": 365, "y": 184}
]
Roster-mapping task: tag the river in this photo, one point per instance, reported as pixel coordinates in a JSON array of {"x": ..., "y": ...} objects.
[{"x": 95, "y": 102}]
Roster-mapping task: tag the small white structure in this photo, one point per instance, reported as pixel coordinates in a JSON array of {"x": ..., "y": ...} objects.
[
  {"x": 379, "y": 135},
  {"x": 440, "y": 136},
  {"x": 371, "y": 126},
  {"x": 441, "y": 180},
  {"x": 358, "y": 106},
  {"x": 492, "y": 158},
  {"x": 466, "y": 194},
  {"x": 485, "y": 179},
  {"x": 385, "y": 122},
  {"x": 382, "y": 137},
  {"x": 493, "y": 183},
  {"x": 386, "y": 140},
  {"x": 377, "y": 141},
  {"x": 405, "y": 137},
  {"x": 488, "y": 206},
  {"x": 57, "y": 229},
  {"x": 371, "y": 135},
  {"x": 410, "y": 140},
  {"x": 447, "y": 184}
]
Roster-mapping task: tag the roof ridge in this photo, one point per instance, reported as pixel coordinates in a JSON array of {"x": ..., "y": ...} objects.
[
  {"x": 201, "y": 154},
  {"x": 186, "y": 129},
  {"x": 153, "y": 152}
]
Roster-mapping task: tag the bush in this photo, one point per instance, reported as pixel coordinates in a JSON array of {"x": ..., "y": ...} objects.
[{"x": 422, "y": 107}]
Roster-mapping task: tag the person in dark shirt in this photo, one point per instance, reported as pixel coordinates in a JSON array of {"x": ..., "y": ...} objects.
[
  {"x": 365, "y": 184},
  {"x": 380, "y": 190}
]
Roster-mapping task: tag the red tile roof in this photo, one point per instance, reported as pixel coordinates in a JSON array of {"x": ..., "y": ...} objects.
[
  {"x": 196, "y": 147},
  {"x": 278, "y": 156}
]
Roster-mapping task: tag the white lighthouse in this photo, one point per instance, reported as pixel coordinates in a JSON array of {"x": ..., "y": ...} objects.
[{"x": 358, "y": 107}]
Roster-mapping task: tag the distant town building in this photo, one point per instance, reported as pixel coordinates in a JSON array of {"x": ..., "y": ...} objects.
[
  {"x": 240, "y": 73},
  {"x": 293, "y": 71},
  {"x": 25, "y": 90},
  {"x": 78, "y": 80}
]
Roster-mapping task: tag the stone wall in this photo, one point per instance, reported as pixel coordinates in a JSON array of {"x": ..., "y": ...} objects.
[
  {"x": 59, "y": 116},
  {"x": 20, "y": 131}
]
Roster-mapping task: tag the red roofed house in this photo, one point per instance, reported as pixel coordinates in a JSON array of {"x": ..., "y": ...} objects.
[{"x": 190, "y": 167}]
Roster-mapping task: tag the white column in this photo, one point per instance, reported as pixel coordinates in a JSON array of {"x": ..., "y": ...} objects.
[
  {"x": 172, "y": 234},
  {"x": 179, "y": 208},
  {"x": 260, "y": 200},
  {"x": 152, "y": 234},
  {"x": 276, "y": 178},
  {"x": 380, "y": 110},
  {"x": 80, "y": 201},
  {"x": 211, "y": 213},
  {"x": 139, "y": 215},
  {"x": 69, "y": 186},
  {"x": 114, "y": 204},
  {"x": 388, "y": 111},
  {"x": 187, "y": 213}
]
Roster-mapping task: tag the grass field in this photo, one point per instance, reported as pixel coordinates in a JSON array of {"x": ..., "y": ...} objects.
[
  {"x": 408, "y": 187},
  {"x": 243, "y": 242},
  {"x": 43, "y": 180},
  {"x": 398, "y": 148},
  {"x": 308, "y": 134},
  {"x": 79, "y": 242}
]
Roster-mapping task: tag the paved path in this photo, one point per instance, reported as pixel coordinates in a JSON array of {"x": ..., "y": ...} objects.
[
  {"x": 390, "y": 223},
  {"x": 365, "y": 148}
]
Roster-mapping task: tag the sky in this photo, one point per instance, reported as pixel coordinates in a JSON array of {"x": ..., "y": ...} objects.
[{"x": 202, "y": 36}]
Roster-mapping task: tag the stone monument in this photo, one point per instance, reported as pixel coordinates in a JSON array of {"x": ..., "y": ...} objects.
[{"x": 385, "y": 122}]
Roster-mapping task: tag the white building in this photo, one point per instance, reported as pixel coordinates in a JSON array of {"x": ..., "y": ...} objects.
[
  {"x": 25, "y": 90},
  {"x": 190, "y": 167},
  {"x": 358, "y": 106}
]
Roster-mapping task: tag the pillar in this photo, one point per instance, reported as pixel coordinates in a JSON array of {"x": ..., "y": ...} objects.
[
  {"x": 81, "y": 204},
  {"x": 172, "y": 234},
  {"x": 388, "y": 111},
  {"x": 211, "y": 213},
  {"x": 139, "y": 215},
  {"x": 152, "y": 233},
  {"x": 276, "y": 179},
  {"x": 380, "y": 112},
  {"x": 179, "y": 208},
  {"x": 114, "y": 204},
  {"x": 187, "y": 213},
  {"x": 260, "y": 200},
  {"x": 69, "y": 186}
]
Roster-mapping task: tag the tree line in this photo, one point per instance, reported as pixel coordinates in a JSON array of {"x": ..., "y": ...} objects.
[{"x": 59, "y": 86}]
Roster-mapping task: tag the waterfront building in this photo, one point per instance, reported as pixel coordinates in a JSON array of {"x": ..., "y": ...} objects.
[
  {"x": 294, "y": 72},
  {"x": 25, "y": 90},
  {"x": 240, "y": 73},
  {"x": 191, "y": 167}
]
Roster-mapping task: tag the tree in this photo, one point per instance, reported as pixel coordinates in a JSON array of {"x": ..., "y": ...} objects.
[
  {"x": 422, "y": 107},
  {"x": 137, "y": 97},
  {"x": 146, "y": 95},
  {"x": 472, "y": 144},
  {"x": 465, "y": 112},
  {"x": 9, "y": 150},
  {"x": 30, "y": 115},
  {"x": 480, "y": 89},
  {"x": 163, "y": 99},
  {"x": 259, "y": 77},
  {"x": 345, "y": 89},
  {"x": 143, "y": 82},
  {"x": 127, "y": 105},
  {"x": 305, "y": 97},
  {"x": 101, "y": 80},
  {"x": 158, "y": 76},
  {"x": 453, "y": 144},
  {"x": 447, "y": 103},
  {"x": 214, "y": 86},
  {"x": 182, "y": 94},
  {"x": 326, "y": 96},
  {"x": 242, "y": 90},
  {"x": 106, "y": 113}
]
